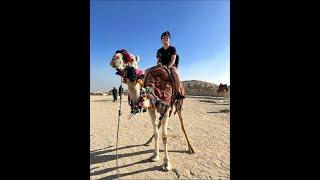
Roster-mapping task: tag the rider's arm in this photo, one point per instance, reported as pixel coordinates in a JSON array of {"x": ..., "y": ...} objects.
[{"x": 173, "y": 60}]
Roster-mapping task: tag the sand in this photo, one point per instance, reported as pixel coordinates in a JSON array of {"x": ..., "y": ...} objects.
[{"x": 207, "y": 122}]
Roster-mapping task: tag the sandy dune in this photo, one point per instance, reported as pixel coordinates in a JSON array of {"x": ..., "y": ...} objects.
[{"x": 207, "y": 125}]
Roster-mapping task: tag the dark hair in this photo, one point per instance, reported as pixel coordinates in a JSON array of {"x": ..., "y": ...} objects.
[{"x": 167, "y": 33}]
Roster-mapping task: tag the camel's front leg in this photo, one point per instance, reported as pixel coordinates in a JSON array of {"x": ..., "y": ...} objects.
[
  {"x": 150, "y": 140},
  {"x": 152, "y": 114},
  {"x": 166, "y": 165}
]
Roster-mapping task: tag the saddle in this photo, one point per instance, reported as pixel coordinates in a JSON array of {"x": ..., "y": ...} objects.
[{"x": 162, "y": 83}]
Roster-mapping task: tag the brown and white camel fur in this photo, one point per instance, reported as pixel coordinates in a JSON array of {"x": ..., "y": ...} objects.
[
  {"x": 134, "y": 88},
  {"x": 224, "y": 90}
]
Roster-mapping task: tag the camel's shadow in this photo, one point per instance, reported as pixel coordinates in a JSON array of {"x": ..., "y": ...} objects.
[{"x": 98, "y": 156}]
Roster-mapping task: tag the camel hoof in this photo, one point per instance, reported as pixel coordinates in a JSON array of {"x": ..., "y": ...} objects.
[
  {"x": 166, "y": 166},
  {"x": 154, "y": 158}
]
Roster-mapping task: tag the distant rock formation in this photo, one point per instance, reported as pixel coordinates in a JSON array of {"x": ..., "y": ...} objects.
[
  {"x": 200, "y": 88},
  {"x": 99, "y": 93},
  {"x": 105, "y": 93}
]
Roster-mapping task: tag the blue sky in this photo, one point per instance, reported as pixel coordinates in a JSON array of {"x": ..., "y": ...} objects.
[{"x": 200, "y": 31}]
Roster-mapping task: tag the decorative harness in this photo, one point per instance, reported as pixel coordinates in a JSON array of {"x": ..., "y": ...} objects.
[{"x": 134, "y": 75}]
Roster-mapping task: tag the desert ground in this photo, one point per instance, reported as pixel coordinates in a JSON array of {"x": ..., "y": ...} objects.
[{"x": 207, "y": 122}]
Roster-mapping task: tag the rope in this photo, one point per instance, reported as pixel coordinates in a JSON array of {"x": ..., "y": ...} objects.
[{"x": 119, "y": 114}]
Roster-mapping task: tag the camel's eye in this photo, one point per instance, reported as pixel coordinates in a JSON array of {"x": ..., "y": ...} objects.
[{"x": 116, "y": 56}]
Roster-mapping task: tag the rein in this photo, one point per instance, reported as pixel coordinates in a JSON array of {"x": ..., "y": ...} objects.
[{"x": 119, "y": 114}]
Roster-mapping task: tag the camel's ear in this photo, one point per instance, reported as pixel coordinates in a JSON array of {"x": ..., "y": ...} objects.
[{"x": 137, "y": 58}]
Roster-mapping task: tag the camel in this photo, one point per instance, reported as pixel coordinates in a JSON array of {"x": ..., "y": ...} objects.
[
  {"x": 223, "y": 88},
  {"x": 153, "y": 93}
]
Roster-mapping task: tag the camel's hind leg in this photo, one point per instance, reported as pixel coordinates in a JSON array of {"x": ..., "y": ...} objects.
[{"x": 191, "y": 150}]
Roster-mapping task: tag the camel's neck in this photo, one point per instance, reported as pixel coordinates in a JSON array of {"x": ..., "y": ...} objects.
[{"x": 134, "y": 93}]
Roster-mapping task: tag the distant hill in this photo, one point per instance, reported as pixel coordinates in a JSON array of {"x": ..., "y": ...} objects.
[{"x": 200, "y": 88}]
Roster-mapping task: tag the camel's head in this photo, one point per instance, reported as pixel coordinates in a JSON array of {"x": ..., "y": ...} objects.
[
  {"x": 126, "y": 65},
  {"x": 122, "y": 59}
]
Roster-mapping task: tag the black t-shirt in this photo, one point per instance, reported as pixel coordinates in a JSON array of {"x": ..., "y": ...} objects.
[{"x": 165, "y": 55}]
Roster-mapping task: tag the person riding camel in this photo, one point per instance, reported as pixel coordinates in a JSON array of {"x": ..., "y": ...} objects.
[{"x": 167, "y": 56}]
